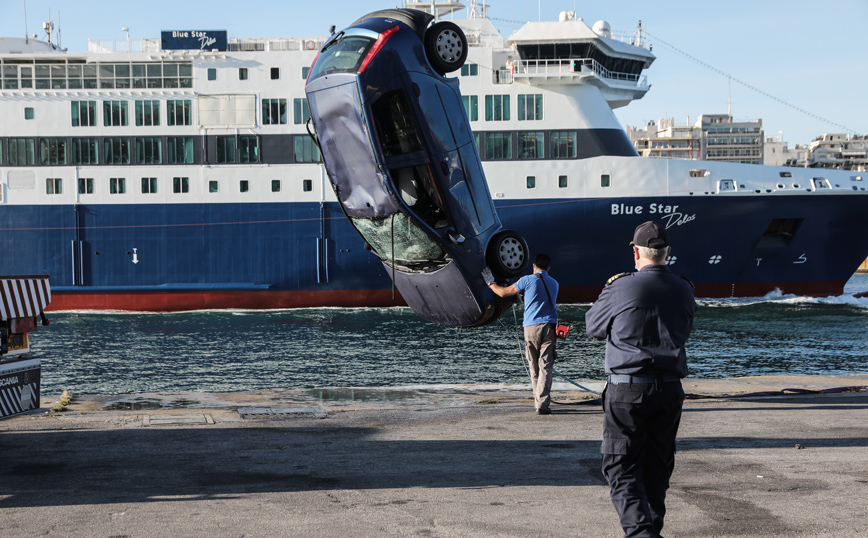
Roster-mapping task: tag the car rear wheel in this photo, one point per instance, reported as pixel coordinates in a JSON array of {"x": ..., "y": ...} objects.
[
  {"x": 507, "y": 254},
  {"x": 445, "y": 46}
]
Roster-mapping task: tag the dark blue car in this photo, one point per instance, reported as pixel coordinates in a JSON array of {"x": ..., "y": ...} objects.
[{"x": 401, "y": 157}]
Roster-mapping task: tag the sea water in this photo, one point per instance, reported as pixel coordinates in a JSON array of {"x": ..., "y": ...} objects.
[{"x": 227, "y": 351}]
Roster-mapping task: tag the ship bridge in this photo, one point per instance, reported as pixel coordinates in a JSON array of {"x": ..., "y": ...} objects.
[{"x": 570, "y": 52}]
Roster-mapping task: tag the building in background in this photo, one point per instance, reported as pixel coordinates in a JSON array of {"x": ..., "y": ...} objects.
[
  {"x": 840, "y": 151},
  {"x": 714, "y": 137},
  {"x": 663, "y": 139}
]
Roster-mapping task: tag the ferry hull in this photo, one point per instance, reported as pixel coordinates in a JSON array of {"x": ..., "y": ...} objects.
[{"x": 251, "y": 256}]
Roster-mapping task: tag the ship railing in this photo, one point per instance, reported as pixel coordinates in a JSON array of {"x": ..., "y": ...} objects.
[
  {"x": 276, "y": 44},
  {"x": 575, "y": 66},
  {"x": 153, "y": 46},
  {"x": 123, "y": 46}
]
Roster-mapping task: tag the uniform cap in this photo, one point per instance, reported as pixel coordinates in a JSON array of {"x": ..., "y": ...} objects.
[{"x": 651, "y": 235}]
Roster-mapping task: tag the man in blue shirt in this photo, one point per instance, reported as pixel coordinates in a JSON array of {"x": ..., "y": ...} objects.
[{"x": 540, "y": 316}]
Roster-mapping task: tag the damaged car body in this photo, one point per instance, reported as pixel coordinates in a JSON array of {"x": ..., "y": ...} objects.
[{"x": 401, "y": 157}]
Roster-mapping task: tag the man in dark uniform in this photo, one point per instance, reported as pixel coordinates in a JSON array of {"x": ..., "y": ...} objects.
[{"x": 645, "y": 317}]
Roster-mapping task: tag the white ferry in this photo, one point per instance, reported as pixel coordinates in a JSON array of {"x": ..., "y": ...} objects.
[{"x": 176, "y": 173}]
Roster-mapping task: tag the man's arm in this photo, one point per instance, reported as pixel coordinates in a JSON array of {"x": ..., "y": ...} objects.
[
  {"x": 503, "y": 291},
  {"x": 598, "y": 318}
]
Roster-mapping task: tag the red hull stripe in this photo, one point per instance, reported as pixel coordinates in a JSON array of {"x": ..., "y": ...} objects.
[{"x": 252, "y": 300}]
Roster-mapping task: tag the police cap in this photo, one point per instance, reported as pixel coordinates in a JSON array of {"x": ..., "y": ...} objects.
[{"x": 651, "y": 235}]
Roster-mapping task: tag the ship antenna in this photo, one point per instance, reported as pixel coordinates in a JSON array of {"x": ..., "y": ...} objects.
[{"x": 26, "y": 37}]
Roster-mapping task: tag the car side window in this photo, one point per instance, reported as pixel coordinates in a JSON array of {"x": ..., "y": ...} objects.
[
  {"x": 416, "y": 187},
  {"x": 396, "y": 127}
]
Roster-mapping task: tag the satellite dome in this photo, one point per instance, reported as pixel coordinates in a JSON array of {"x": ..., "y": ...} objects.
[{"x": 602, "y": 28}]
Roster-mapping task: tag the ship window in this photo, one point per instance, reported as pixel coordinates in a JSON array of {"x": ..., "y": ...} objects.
[
  {"x": 28, "y": 113},
  {"x": 244, "y": 185},
  {"x": 530, "y": 107},
  {"x": 729, "y": 185},
  {"x": 699, "y": 172},
  {"x": 471, "y": 106},
  {"x": 273, "y": 111},
  {"x": 498, "y": 146},
  {"x": 563, "y": 145},
  {"x": 242, "y": 73},
  {"x": 605, "y": 180},
  {"x": 307, "y": 185},
  {"x": 182, "y": 185},
  {"x": 497, "y": 108},
  {"x": 149, "y": 150},
  {"x": 275, "y": 73},
  {"x": 469, "y": 70},
  {"x": 180, "y": 149},
  {"x": 225, "y": 149},
  {"x": 178, "y": 112},
  {"x": 53, "y": 185},
  {"x": 785, "y": 174},
  {"x": 117, "y": 150},
  {"x": 117, "y": 185},
  {"x": 147, "y": 113},
  {"x": 855, "y": 178},
  {"x": 275, "y": 185},
  {"x": 248, "y": 148},
  {"x": 52, "y": 151},
  {"x": 114, "y": 113},
  {"x": 212, "y": 186},
  {"x": 305, "y": 150},
  {"x": 301, "y": 111},
  {"x": 149, "y": 185},
  {"x": 83, "y": 113},
  {"x": 531, "y": 182},
  {"x": 821, "y": 183},
  {"x": 212, "y": 73},
  {"x": 22, "y": 151},
  {"x": 563, "y": 182},
  {"x": 85, "y": 185},
  {"x": 85, "y": 151},
  {"x": 531, "y": 145}
]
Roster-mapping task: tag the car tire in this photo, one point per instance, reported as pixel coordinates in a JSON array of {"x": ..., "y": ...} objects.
[
  {"x": 507, "y": 254},
  {"x": 445, "y": 46}
]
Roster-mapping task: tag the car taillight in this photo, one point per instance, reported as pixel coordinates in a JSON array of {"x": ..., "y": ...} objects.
[
  {"x": 378, "y": 44},
  {"x": 310, "y": 70}
]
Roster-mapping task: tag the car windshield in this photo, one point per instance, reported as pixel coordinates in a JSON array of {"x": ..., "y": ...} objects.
[
  {"x": 343, "y": 55},
  {"x": 414, "y": 252}
]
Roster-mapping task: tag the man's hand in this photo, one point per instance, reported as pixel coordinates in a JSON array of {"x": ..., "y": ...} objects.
[{"x": 487, "y": 276}]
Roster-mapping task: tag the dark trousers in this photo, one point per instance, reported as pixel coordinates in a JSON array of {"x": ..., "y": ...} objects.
[{"x": 640, "y": 424}]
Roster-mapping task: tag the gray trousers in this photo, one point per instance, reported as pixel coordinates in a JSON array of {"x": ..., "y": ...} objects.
[{"x": 539, "y": 341}]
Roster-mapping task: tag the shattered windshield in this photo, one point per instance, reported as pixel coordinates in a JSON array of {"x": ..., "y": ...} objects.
[{"x": 414, "y": 250}]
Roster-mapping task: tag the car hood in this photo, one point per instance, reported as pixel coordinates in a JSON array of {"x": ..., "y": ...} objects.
[{"x": 344, "y": 137}]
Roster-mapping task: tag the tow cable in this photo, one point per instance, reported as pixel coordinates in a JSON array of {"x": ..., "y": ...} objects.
[{"x": 527, "y": 369}]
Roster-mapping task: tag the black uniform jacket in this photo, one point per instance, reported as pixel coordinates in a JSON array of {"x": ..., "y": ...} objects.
[{"x": 645, "y": 317}]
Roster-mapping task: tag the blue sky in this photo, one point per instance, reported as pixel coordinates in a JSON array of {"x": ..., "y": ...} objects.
[{"x": 808, "y": 54}]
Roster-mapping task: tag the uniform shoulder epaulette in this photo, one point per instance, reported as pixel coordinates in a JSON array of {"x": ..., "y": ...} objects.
[
  {"x": 616, "y": 277},
  {"x": 689, "y": 282}
]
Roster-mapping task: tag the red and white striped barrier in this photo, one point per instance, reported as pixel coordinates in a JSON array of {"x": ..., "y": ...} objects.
[{"x": 24, "y": 296}]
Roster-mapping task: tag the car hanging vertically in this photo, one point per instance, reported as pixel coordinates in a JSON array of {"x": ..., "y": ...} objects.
[{"x": 401, "y": 157}]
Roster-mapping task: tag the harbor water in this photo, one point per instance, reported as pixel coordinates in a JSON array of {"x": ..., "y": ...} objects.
[{"x": 228, "y": 351}]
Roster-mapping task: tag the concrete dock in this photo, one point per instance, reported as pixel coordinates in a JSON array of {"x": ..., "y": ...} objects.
[{"x": 464, "y": 461}]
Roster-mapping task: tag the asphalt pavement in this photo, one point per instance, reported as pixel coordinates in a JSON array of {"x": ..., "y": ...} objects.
[{"x": 756, "y": 457}]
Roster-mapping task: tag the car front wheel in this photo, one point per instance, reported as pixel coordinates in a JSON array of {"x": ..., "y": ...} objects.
[
  {"x": 507, "y": 254},
  {"x": 446, "y": 47}
]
